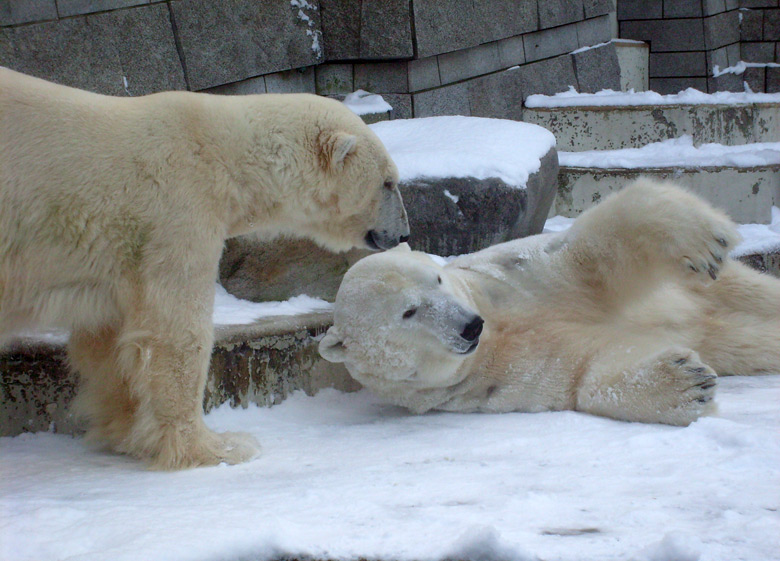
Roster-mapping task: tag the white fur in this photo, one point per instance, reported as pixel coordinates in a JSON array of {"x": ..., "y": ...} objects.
[
  {"x": 114, "y": 211},
  {"x": 618, "y": 317}
]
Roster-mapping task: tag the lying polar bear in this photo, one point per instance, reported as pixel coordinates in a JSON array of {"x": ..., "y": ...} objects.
[{"x": 628, "y": 315}]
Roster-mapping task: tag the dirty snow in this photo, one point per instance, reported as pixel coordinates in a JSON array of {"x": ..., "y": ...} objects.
[
  {"x": 690, "y": 96},
  {"x": 437, "y": 147}
]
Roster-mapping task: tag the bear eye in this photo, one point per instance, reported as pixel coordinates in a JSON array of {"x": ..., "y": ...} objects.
[
  {"x": 409, "y": 313},
  {"x": 439, "y": 279},
  {"x": 388, "y": 185}
]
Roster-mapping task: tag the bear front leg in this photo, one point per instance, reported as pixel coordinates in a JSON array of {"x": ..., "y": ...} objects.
[
  {"x": 166, "y": 373},
  {"x": 649, "y": 233},
  {"x": 672, "y": 387}
]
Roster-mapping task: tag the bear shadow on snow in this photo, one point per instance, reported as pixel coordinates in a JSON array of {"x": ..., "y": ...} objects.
[
  {"x": 629, "y": 314},
  {"x": 114, "y": 212}
]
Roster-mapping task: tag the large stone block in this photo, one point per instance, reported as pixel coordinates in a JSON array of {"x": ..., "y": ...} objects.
[
  {"x": 423, "y": 73},
  {"x": 682, "y": 8},
  {"x": 553, "y": 13},
  {"x": 401, "y": 104},
  {"x": 547, "y": 77},
  {"x": 124, "y": 52},
  {"x": 334, "y": 79},
  {"x": 229, "y": 41},
  {"x": 469, "y": 63},
  {"x": 511, "y": 51},
  {"x": 772, "y": 80},
  {"x": 456, "y": 215},
  {"x": 498, "y": 95},
  {"x": 673, "y": 85},
  {"x": 678, "y": 64},
  {"x": 14, "y": 12},
  {"x": 712, "y": 7},
  {"x": 300, "y": 80},
  {"x": 721, "y": 29},
  {"x": 382, "y": 77},
  {"x": 595, "y": 8},
  {"x": 639, "y": 9},
  {"x": 443, "y": 26},
  {"x": 244, "y": 87},
  {"x": 447, "y": 100},
  {"x": 758, "y": 52},
  {"x": 594, "y": 31},
  {"x": 551, "y": 42},
  {"x": 771, "y": 25},
  {"x": 597, "y": 69},
  {"x": 666, "y": 35},
  {"x": 367, "y": 29},
  {"x": 755, "y": 78},
  {"x": 751, "y": 25}
]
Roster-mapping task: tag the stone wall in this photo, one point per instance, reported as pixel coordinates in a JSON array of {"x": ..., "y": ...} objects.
[
  {"x": 426, "y": 57},
  {"x": 691, "y": 39}
]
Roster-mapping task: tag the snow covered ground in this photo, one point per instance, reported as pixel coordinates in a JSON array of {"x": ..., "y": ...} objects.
[
  {"x": 343, "y": 476},
  {"x": 690, "y": 96}
]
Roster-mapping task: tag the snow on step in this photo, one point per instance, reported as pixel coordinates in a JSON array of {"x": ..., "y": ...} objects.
[{"x": 610, "y": 120}]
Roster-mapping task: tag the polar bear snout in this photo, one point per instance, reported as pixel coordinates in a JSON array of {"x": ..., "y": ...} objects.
[{"x": 392, "y": 227}]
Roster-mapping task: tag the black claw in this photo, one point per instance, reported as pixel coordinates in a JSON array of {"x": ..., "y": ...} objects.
[
  {"x": 699, "y": 370},
  {"x": 718, "y": 259},
  {"x": 692, "y": 268},
  {"x": 713, "y": 272}
]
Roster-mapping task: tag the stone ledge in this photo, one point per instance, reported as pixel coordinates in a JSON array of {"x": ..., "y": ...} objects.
[{"x": 261, "y": 363}]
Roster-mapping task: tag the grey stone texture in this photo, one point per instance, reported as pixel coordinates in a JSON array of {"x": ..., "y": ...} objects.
[
  {"x": 424, "y": 74},
  {"x": 771, "y": 25},
  {"x": 442, "y": 27},
  {"x": 14, "y": 12},
  {"x": 726, "y": 83},
  {"x": 366, "y": 29},
  {"x": 301, "y": 80},
  {"x": 551, "y": 42},
  {"x": 755, "y": 77},
  {"x": 231, "y": 40},
  {"x": 678, "y": 64},
  {"x": 758, "y": 52},
  {"x": 99, "y": 52},
  {"x": 67, "y": 8},
  {"x": 639, "y": 9},
  {"x": 682, "y": 8},
  {"x": 382, "y": 77},
  {"x": 594, "y": 31},
  {"x": 772, "y": 80},
  {"x": 675, "y": 85},
  {"x": 244, "y": 87},
  {"x": 468, "y": 63},
  {"x": 261, "y": 363},
  {"x": 758, "y": 3},
  {"x": 334, "y": 79},
  {"x": 595, "y": 8},
  {"x": 486, "y": 212},
  {"x": 597, "y": 69},
  {"x": 511, "y": 51},
  {"x": 666, "y": 35},
  {"x": 752, "y": 25},
  {"x": 721, "y": 29},
  {"x": 401, "y": 104},
  {"x": 447, "y": 100},
  {"x": 553, "y": 13},
  {"x": 711, "y": 7}
]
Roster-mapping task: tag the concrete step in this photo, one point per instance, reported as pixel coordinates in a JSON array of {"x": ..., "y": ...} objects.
[
  {"x": 261, "y": 363},
  {"x": 615, "y": 127},
  {"x": 747, "y": 194}
]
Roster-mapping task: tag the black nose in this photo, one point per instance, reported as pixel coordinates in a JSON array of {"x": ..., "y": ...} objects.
[
  {"x": 473, "y": 329},
  {"x": 403, "y": 239}
]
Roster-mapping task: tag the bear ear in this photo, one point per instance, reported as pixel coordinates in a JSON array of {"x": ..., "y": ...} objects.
[
  {"x": 335, "y": 146},
  {"x": 332, "y": 347}
]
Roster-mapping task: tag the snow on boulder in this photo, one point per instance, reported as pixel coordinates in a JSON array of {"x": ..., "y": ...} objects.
[{"x": 471, "y": 182}]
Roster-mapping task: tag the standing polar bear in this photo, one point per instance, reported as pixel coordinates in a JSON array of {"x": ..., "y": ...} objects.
[
  {"x": 628, "y": 315},
  {"x": 113, "y": 214}
]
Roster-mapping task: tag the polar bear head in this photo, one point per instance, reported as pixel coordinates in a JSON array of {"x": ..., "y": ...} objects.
[{"x": 401, "y": 323}]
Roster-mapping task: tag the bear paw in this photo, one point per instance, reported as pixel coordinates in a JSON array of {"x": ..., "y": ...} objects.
[
  {"x": 689, "y": 385},
  {"x": 706, "y": 244}
]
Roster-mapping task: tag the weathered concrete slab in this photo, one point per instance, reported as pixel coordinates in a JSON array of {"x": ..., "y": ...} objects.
[
  {"x": 261, "y": 363},
  {"x": 124, "y": 52},
  {"x": 634, "y": 62},
  {"x": 611, "y": 128},
  {"x": 746, "y": 194}
]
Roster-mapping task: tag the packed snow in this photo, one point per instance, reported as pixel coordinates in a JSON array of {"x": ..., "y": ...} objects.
[
  {"x": 740, "y": 67},
  {"x": 343, "y": 476},
  {"x": 437, "y": 147},
  {"x": 690, "y": 96},
  {"x": 229, "y": 310},
  {"x": 676, "y": 153}
]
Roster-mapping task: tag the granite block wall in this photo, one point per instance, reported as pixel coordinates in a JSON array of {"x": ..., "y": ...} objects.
[
  {"x": 426, "y": 57},
  {"x": 692, "y": 42}
]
